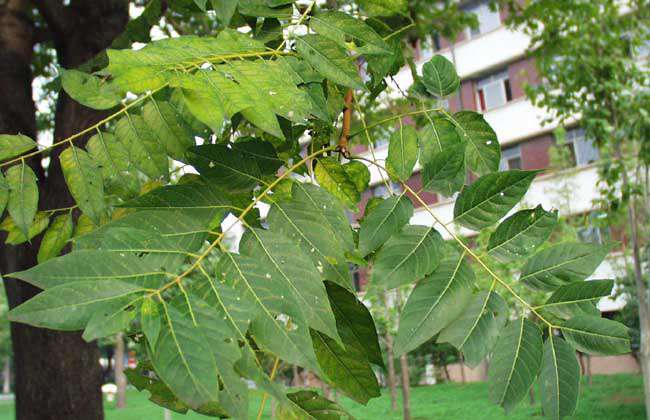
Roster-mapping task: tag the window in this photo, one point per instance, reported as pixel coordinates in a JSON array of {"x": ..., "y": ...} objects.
[
  {"x": 493, "y": 91},
  {"x": 510, "y": 159},
  {"x": 583, "y": 151},
  {"x": 488, "y": 20}
]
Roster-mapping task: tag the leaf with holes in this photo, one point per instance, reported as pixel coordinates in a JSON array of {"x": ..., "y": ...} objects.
[
  {"x": 483, "y": 152},
  {"x": 562, "y": 264},
  {"x": 491, "y": 197},
  {"x": 345, "y": 182},
  {"x": 476, "y": 330},
  {"x": 596, "y": 335},
  {"x": 85, "y": 182},
  {"x": 434, "y": 303},
  {"x": 341, "y": 27},
  {"x": 23, "y": 196},
  {"x": 516, "y": 361},
  {"x": 522, "y": 233},
  {"x": 302, "y": 219},
  {"x": 439, "y": 76},
  {"x": 407, "y": 256},
  {"x": 560, "y": 378}
]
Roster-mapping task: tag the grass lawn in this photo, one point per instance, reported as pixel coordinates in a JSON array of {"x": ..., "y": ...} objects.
[{"x": 609, "y": 397}]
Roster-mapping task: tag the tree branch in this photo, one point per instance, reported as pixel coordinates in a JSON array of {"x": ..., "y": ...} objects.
[{"x": 55, "y": 13}]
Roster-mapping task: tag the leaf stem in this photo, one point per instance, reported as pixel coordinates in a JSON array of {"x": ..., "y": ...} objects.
[
  {"x": 274, "y": 370},
  {"x": 395, "y": 117}
]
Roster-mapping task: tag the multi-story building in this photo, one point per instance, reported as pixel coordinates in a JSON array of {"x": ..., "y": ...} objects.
[{"x": 494, "y": 67}]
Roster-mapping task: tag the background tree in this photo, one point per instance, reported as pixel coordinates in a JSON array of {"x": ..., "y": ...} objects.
[{"x": 592, "y": 59}]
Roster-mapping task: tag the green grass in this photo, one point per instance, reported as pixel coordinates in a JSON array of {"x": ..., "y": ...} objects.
[{"x": 609, "y": 397}]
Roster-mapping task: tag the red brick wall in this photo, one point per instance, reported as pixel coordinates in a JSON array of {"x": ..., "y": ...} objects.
[
  {"x": 534, "y": 152},
  {"x": 469, "y": 97},
  {"x": 520, "y": 73}
]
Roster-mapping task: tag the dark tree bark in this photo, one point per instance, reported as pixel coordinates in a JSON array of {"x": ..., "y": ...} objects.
[{"x": 57, "y": 374}]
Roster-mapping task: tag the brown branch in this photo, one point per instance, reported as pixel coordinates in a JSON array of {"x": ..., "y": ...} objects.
[{"x": 347, "y": 120}]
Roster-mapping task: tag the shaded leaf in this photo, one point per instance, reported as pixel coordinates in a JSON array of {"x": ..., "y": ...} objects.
[
  {"x": 341, "y": 27},
  {"x": 578, "y": 298},
  {"x": 560, "y": 378},
  {"x": 329, "y": 59},
  {"x": 483, "y": 152},
  {"x": 434, "y": 303},
  {"x": 445, "y": 172},
  {"x": 596, "y": 335},
  {"x": 439, "y": 76},
  {"x": 516, "y": 361},
  {"x": 311, "y": 406},
  {"x": 386, "y": 219},
  {"x": 145, "y": 151},
  {"x": 166, "y": 124},
  {"x": 407, "y": 256}
]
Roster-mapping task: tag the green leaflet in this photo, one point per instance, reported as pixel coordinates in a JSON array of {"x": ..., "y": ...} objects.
[
  {"x": 346, "y": 368},
  {"x": 145, "y": 151},
  {"x": 89, "y": 90},
  {"x": 354, "y": 323},
  {"x": 477, "y": 329},
  {"x": 112, "y": 159},
  {"x": 167, "y": 125},
  {"x": 577, "y": 298},
  {"x": 56, "y": 237},
  {"x": 520, "y": 234},
  {"x": 309, "y": 405},
  {"x": 407, "y": 256},
  {"x": 284, "y": 259},
  {"x": 439, "y": 76},
  {"x": 23, "y": 196},
  {"x": 15, "y": 236},
  {"x": 329, "y": 59},
  {"x": 562, "y": 264},
  {"x": 4, "y": 193},
  {"x": 198, "y": 195},
  {"x": 434, "y": 303},
  {"x": 270, "y": 87},
  {"x": 491, "y": 197},
  {"x": 151, "y": 320},
  {"x": 483, "y": 152},
  {"x": 445, "y": 171},
  {"x": 302, "y": 219},
  {"x": 68, "y": 307},
  {"x": 184, "y": 359},
  {"x": 339, "y": 27},
  {"x": 260, "y": 292},
  {"x": 560, "y": 378},
  {"x": 596, "y": 335},
  {"x": 84, "y": 182},
  {"x": 160, "y": 393},
  {"x": 150, "y": 67},
  {"x": 516, "y": 361},
  {"x": 437, "y": 135},
  {"x": 106, "y": 322},
  {"x": 240, "y": 167},
  {"x": 345, "y": 182},
  {"x": 224, "y": 10},
  {"x": 260, "y": 8},
  {"x": 14, "y": 145},
  {"x": 402, "y": 153},
  {"x": 83, "y": 266},
  {"x": 382, "y": 220},
  {"x": 384, "y": 7}
]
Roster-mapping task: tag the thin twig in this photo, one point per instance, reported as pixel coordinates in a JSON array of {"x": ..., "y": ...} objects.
[{"x": 260, "y": 412}]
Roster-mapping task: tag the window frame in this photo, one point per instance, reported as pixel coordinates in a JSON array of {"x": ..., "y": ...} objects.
[
  {"x": 501, "y": 79},
  {"x": 476, "y": 7}
]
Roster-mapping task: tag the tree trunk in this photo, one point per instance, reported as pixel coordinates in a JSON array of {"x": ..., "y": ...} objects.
[
  {"x": 392, "y": 379},
  {"x": 6, "y": 376},
  {"x": 641, "y": 289},
  {"x": 406, "y": 387},
  {"x": 57, "y": 374},
  {"x": 120, "y": 378}
]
